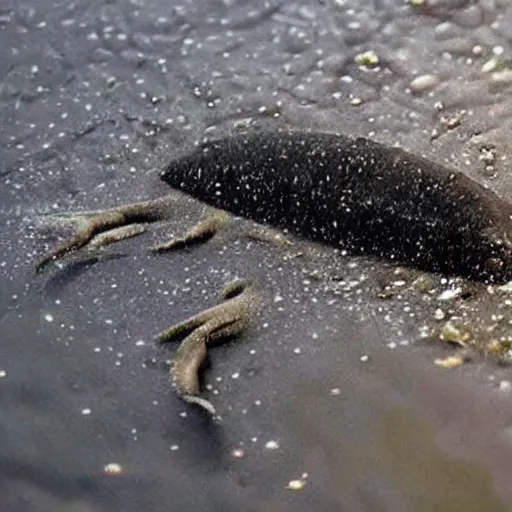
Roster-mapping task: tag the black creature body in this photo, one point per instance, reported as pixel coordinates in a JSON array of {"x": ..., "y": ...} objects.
[{"x": 355, "y": 194}]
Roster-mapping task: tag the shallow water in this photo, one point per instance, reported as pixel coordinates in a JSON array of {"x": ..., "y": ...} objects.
[{"x": 94, "y": 97}]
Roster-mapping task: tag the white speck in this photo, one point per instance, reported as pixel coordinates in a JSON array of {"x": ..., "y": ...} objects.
[
  {"x": 235, "y": 375},
  {"x": 272, "y": 445},
  {"x": 3, "y": 374},
  {"x": 174, "y": 447},
  {"x": 48, "y": 317},
  {"x": 296, "y": 485},
  {"x": 297, "y": 350},
  {"x": 391, "y": 344},
  {"x": 335, "y": 391},
  {"x": 450, "y": 294},
  {"x": 109, "y": 321},
  {"x": 439, "y": 314},
  {"x": 237, "y": 453},
  {"x": 505, "y": 385},
  {"x": 364, "y": 358},
  {"x": 86, "y": 411},
  {"x": 140, "y": 343},
  {"x": 113, "y": 468}
]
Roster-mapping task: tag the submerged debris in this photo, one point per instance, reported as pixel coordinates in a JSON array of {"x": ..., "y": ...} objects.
[
  {"x": 368, "y": 58},
  {"x": 423, "y": 83},
  {"x": 452, "y": 333},
  {"x": 296, "y": 485},
  {"x": 449, "y": 362},
  {"x": 113, "y": 468}
]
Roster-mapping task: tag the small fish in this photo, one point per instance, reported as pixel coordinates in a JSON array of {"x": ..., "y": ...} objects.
[{"x": 355, "y": 194}]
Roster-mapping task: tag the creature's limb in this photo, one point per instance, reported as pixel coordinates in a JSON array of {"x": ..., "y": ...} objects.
[
  {"x": 226, "y": 320},
  {"x": 214, "y": 325},
  {"x": 116, "y": 235},
  {"x": 200, "y": 233},
  {"x": 108, "y": 226},
  {"x": 104, "y": 220}
]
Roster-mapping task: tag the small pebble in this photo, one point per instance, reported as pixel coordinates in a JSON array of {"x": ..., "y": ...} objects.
[
  {"x": 113, "y": 468},
  {"x": 423, "y": 83},
  {"x": 449, "y": 362},
  {"x": 237, "y": 453},
  {"x": 449, "y": 294},
  {"x": 296, "y": 485},
  {"x": 368, "y": 58},
  {"x": 453, "y": 334},
  {"x": 505, "y": 385},
  {"x": 439, "y": 314}
]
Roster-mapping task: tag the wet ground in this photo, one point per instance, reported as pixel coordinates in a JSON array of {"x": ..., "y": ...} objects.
[{"x": 334, "y": 388}]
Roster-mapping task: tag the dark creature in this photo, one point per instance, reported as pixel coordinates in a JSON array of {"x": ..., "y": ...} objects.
[{"x": 354, "y": 194}]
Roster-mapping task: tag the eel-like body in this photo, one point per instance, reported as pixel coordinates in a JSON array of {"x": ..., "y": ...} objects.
[{"x": 355, "y": 194}]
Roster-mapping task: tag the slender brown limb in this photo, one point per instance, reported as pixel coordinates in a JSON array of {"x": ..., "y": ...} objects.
[
  {"x": 203, "y": 231},
  {"x": 214, "y": 325},
  {"x": 104, "y": 220},
  {"x": 115, "y": 235}
]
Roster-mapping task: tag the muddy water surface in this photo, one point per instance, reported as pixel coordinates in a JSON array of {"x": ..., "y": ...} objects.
[{"x": 334, "y": 390}]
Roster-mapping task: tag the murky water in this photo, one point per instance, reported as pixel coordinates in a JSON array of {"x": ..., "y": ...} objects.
[{"x": 334, "y": 386}]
